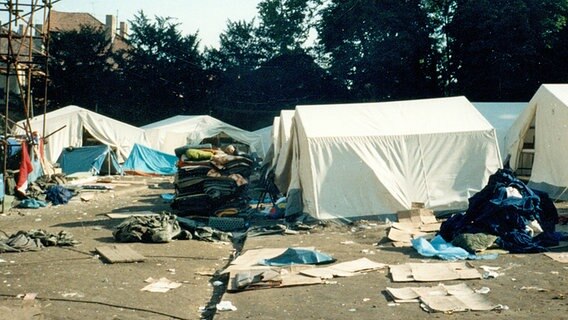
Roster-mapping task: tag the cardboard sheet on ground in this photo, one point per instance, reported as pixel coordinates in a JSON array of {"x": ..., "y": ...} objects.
[
  {"x": 264, "y": 277},
  {"x": 344, "y": 269},
  {"x": 416, "y": 222},
  {"x": 443, "y": 298},
  {"x": 433, "y": 271},
  {"x": 251, "y": 258},
  {"x": 558, "y": 256}
]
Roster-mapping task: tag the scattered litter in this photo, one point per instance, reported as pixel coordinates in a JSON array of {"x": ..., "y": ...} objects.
[
  {"x": 72, "y": 294},
  {"x": 172, "y": 271},
  {"x": 226, "y": 306},
  {"x": 347, "y": 242},
  {"x": 531, "y": 288},
  {"x": 217, "y": 283},
  {"x": 161, "y": 285},
  {"x": 490, "y": 272},
  {"x": 352, "y": 310},
  {"x": 483, "y": 290},
  {"x": 366, "y": 299},
  {"x": 30, "y": 296}
]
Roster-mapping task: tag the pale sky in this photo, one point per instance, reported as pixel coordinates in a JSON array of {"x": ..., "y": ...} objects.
[{"x": 209, "y": 17}]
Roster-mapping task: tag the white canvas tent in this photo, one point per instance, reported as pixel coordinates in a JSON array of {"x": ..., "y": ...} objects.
[
  {"x": 538, "y": 141},
  {"x": 501, "y": 115},
  {"x": 265, "y": 138},
  {"x": 275, "y": 140},
  {"x": 168, "y": 134},
  {"x": 372, "y": 159},
  {"x": 75, "y": 123}
]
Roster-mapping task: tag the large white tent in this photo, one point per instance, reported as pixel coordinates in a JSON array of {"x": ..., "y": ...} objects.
[
  {"x": 372, "y": 159},
  {"x": 538, "y": 141},
  {"x": 68, "y": 126},
  {"x": 501, "y": 115},
  {"x": 168, "y": 134}
]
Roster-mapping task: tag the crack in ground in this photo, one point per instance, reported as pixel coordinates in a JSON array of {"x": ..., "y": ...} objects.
[{"x": 219, "y": 291}]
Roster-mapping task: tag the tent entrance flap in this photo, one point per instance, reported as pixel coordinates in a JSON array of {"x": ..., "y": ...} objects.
[{"x": 526, "y": 155}]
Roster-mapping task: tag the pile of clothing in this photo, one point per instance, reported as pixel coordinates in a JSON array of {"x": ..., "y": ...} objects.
[
  {"x": 210, "y": 182},
  {"x": 34, "y": 240},
  {"x": 517, "y": 218}
]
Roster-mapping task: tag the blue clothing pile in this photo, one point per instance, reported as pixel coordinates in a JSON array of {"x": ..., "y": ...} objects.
[{"x": 493, "y": 211}]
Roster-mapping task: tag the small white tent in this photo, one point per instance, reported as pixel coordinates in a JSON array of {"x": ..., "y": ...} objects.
[
  {"x": 538, "y": 141},
  {"x": 501, "y": 115},
  {"x": 71, "y": 125},
  {"x": 266, "y": 139},
  {"x": 168, "y": 134},
  {"x": 372, "y": 159}
]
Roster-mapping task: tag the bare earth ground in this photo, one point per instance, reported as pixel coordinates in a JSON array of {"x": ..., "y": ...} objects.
[{"x": 74, "y": 283}]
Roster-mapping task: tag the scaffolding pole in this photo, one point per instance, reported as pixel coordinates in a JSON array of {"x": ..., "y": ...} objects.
[{"x": 24, "y": 56}]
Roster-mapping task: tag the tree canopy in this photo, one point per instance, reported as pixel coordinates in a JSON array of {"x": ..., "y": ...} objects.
[{"x": 314, "y": 51}]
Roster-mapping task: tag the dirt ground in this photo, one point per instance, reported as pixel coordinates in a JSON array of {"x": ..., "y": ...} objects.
[{"x": 75, "y": 283}]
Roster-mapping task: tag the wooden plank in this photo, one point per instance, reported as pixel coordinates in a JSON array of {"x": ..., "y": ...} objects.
[
  {"x": 119, "y": 253},
  {"x": 124, "y": 215}
]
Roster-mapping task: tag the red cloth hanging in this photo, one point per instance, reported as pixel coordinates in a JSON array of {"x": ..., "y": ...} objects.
[{"x": 25, "y": 168}]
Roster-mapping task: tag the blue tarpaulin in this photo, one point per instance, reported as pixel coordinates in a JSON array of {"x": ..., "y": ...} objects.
[
  {"x": 298, "y": 256},
  {"x": 94, "y": 159},
  {"x": 146, "y": 160}
]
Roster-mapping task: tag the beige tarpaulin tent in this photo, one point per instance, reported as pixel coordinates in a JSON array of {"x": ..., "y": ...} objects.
[
  {"x": 538, "y": 141},
  {"x": 368, "y": 159},
  {"x": 72, "y": 125}
]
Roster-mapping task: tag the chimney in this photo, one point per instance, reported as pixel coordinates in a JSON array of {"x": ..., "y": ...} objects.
[
  {"x": 111, "y": 26},
  {"x": 123, "y": 29}
]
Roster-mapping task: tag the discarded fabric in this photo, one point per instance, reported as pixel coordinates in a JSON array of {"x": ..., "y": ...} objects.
[
  {"x": 32, "y": 203},
  {"x": 162, "y": 228},
  {"x": 34, "y": 240},
  {"x": 438, "y": 247},
  {"x": 298, "y": 256},
  {"x": 58, "y": 194},
  {"x": 499, "y": 211}
]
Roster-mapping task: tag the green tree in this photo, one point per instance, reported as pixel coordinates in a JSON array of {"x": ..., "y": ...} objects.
[
  {"x": 259, "y": 70},
  {"x": 380, "y": 49},
  {"x": 162, "y": 70},
  {"x": 285, "y": 24},
  {"x": 440, "y": 14},
  {"x": 500, "y": 48},
  {"x": 239, "y": 48},
  {"x": 80, "y": 69}
]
